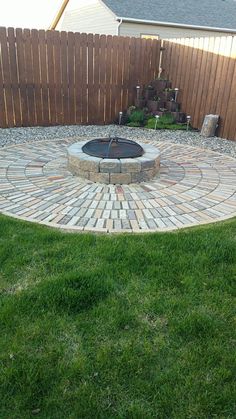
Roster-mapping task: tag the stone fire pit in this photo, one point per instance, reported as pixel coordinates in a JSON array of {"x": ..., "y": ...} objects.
[{"x": 114, "y": 170}]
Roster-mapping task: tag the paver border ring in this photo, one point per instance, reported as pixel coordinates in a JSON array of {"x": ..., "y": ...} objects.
[{"x": 195, "y": 186}]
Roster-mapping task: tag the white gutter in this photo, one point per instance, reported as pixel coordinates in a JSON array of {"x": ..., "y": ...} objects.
[
  {"x": 120, "y": 23},
  {"x": 177, "y": 25}
]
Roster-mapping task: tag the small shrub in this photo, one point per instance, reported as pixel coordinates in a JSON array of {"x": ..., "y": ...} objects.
[
  {"x": 151, "y": 124},
  {"x": 137, "y": 116},
  {"x": 167, "y": 119}
]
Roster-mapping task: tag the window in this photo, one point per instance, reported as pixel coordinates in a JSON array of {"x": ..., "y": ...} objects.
[{"x": 147, "y": 36}]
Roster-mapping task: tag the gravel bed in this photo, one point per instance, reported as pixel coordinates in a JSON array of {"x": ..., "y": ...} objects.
[{"x": 11, "y": 136}]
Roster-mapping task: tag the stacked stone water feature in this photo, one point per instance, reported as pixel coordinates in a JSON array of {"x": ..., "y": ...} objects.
[{"x": 160, "y": 98}]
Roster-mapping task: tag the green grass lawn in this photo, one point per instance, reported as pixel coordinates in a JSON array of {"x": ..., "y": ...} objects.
[{"x": 124, "y": 326}]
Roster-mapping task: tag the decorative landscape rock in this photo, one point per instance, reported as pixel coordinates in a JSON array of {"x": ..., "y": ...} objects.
[
  {"x": 210, "y": 125},
  {"x": 114, "y": 171}
]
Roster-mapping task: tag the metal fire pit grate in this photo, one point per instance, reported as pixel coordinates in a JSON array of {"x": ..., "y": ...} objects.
[{"x": 113, "y": 148}]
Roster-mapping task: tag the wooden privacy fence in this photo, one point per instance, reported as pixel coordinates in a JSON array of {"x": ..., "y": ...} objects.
[
  {"x": 49, "y": 78},
  {"x": 204, "y": 69}
]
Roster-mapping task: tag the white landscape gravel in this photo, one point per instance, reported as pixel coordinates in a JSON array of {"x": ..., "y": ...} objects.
[{"x": 11, "y": 136}]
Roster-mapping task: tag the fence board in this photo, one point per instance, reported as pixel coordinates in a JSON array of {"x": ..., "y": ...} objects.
[
  {"x": 97, "y": 83},
  {"x": 155, "y": 52},
  {"x": 201, "y": 80},
  {"x": 108, "y": 117},
  {"x": 224, "y": 89},
  {"x": 14, "y": 77},
  {"x": 78, "y": 79},
  {"x": 180, "y": 60},
  {"x": 114, "y": 70},
  {"x": 102, "y": 79},
  {"x": 84, "y": 95},
  {"x": 29, "y": 74},
  {"x": 56, "y": 39},
  {"x": 230, "y": 90},
  {"x": 64, "y": 76},
  {"x": 37, "y": 79},
  {"x": 230, "y": 133},
  {"x": 125, "y": 82},
  {"x": 71, "y": 77},
  {"x": 141, "y": 64},
  {"x": 3, "y": 117},
  {"x": 44, "y": 77},
  {"x": 132, "y": 82},
  {"x": 206, "y": 79},
  {"x": 6, "y": 77},
  {"x": 51, "y": 80},
  {"x": 195, "y": 80},
  {"x": 119, "y": 81},
  {"x": 217, "y": 79},
  {"x": 22, "y": 76},
  {"x": 91, "y": 109},
  {"x": 183, "y": 60},
  {"x": 186, "y": 92}
]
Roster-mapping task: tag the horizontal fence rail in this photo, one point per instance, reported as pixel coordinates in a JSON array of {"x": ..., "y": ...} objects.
[
  {"x": 50, "y": 77},
  {"x": 204, "y": 69}
]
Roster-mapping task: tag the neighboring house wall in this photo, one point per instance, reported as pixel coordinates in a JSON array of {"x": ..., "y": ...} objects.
[
  {"x": 90, "y": 17},
  {"x": 164, "y": 32}
]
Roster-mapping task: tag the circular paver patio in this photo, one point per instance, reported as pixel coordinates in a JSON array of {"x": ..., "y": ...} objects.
[{"x": 195, "y": 187}]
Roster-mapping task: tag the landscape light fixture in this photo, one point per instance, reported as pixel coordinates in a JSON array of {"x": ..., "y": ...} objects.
[
  {"x": 138, "y": 92},
  {"x": 176, "y": 93},
  {"x": 188, "y": 121},
  {"x": 120, "y": 117},
  {"x": 157, "y": 119}
]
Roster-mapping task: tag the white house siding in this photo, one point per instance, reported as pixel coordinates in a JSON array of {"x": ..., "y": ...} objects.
[
  {"x": 89, "y": 17},
  {"x": 165, "y": 32}
]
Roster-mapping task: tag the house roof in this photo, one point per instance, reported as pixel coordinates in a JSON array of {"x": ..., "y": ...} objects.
[{"x": 208, "y": 13}]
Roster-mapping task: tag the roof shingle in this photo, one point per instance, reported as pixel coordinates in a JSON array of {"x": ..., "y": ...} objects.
[{"x": 211, "y": 13}]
